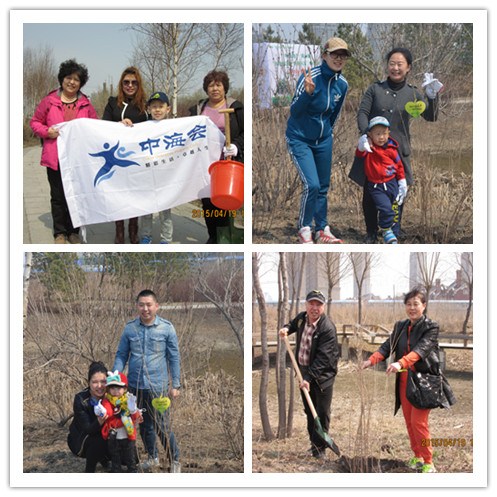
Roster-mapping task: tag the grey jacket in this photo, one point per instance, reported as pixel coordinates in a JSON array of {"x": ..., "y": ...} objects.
[{"x": 380, "y": 100}]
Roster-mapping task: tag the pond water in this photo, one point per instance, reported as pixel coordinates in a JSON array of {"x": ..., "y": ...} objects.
[{"x": 456, "y": 163}]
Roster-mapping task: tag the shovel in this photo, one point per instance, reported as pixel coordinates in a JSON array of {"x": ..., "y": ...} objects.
[{"x": 317, "y": 424}]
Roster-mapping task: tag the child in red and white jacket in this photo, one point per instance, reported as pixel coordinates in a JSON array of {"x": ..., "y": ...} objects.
[
  {"x": 120, "y": 412},
  {"x": 385, "y": 174}
]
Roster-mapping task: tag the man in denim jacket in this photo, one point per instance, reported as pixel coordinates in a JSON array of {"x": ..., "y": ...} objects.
[{"x": 150, "y": 347}]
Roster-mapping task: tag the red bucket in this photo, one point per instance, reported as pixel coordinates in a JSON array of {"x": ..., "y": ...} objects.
[{"x": 227, "y": 184}]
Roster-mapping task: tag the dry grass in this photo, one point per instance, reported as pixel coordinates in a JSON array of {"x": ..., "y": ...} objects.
[{"x": 438, "y": 209}]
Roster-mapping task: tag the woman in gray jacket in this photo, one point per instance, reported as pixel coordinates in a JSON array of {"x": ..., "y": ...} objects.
[{"x": 388, "y": 99}]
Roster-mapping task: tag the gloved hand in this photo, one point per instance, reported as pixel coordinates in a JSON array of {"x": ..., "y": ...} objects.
[
  {"x": 230, "y": 151},
  {"x": 131, "y": 403},
  {"x": 99, "y": 410},
  {"x": 363, "y": 144},
  {"x": 402, "y": 191},
  {"x": 431, "y": 85}
]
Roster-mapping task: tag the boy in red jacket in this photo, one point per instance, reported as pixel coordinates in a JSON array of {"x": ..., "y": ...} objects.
[
  {"x": 385, "y": 174},
  {"x": 120, "y": 411}
]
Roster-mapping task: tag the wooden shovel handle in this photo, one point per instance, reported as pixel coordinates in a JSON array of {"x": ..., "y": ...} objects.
[
  {"x": 299, "y": 376},
  {"x": 227, "y": 133}
]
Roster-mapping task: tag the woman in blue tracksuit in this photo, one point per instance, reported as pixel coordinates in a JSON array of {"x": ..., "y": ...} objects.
[{"x": 315, "y": 108}]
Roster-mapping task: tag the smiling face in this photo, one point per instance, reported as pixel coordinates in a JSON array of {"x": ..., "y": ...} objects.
[
  {"x": 314, "y": 309},
  {"x": 415, "y": 308},
  {"x": 147, "y": 308},
  {"x": 336, "y": 60},
  {"x": 71, "y": 85},
  {"x": 397, "y": 67},
  {"x": 130, "y": 85},
  {"x": 97, "y": 385},
  {"x": 158, "y": 109}
]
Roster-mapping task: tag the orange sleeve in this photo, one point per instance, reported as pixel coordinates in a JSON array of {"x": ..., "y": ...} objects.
[
  {"x": 409, "y": 360},
  {"x": 376, "y": 358}
]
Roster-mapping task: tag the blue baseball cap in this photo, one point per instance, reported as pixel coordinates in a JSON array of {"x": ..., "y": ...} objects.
[
  {"x": 159, "y": 95},
  {"x": 378, "y": 120}
]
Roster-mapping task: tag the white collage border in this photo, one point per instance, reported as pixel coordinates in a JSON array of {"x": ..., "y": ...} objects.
[{"x": 479, "y": 247}]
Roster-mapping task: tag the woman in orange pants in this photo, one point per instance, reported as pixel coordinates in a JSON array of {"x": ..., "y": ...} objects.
[{"x": 414, "y": 345}]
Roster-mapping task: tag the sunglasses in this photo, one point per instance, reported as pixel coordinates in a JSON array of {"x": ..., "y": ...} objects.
[
  {"x": 127, "y": 82},
  {"x": 334, "y": 55}
]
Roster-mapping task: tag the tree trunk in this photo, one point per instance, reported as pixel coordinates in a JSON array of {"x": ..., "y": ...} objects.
[
  {"x": 266, "y": 426},
  {"x": 281, "y": 363},
  {"x": 26, "y": 275},
  {"x": 468, "y": 310}
]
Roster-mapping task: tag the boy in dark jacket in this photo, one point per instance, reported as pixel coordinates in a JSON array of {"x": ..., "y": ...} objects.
[{"x": 385, "y": 174}]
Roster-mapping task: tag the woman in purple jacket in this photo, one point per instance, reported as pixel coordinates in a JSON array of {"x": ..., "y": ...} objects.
[{"x": 61, "y": 105}]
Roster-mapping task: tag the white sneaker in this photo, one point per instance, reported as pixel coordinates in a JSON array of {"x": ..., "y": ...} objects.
[
  {"x": 151, "y": 462},
  {"x": 176, "y": 467},
  {"x": 305, "y": 235},
  {"x": 325, "y": 236}
]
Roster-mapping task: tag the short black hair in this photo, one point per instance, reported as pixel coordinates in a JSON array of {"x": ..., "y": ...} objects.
[
  {"x": 416, "y": 292},
  {"x": 69, "y": 67},
  {"x": 219, "y": 77},
  {"x": 404, "y": 51},
  {"x": 147, "y": 293},
  {"x": 96, "y": 367}
]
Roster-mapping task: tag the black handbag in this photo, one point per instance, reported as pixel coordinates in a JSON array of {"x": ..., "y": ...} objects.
[{"x": 428, "y": 391}]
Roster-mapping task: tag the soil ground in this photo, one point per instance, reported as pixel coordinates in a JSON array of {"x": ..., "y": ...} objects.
[{"x": 384, "y": 444}]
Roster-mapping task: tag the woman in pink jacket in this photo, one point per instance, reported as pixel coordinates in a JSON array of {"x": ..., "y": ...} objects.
[{"x": 59, "y": 106}]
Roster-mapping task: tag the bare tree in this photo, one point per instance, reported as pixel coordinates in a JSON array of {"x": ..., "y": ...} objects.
[
  {"x": 428, "y": 266},
  {"x": 177, "y": 52},
  {"x": 224, "y": 41},
  {"x": 266, "y": 425},
  {"x": 39, "y": 72},
  {"x": 465, "y": 262},
  {"x": 281, "y": 353},
  {"x": 336, "y": 268},
  {"x": 361, "y": 265},
  {"x": 222, "y": 285},
  {"x": 170, "y": 55}
]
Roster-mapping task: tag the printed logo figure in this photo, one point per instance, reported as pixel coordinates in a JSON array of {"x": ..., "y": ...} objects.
[{"x": 113, "y": 157}]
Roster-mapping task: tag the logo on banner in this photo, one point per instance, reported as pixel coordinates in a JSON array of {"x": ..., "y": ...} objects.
[{"x": 114, "y": 157}]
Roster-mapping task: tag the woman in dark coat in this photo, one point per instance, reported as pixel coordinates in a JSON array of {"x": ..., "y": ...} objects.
[
  {"x": 388, "y": 99},
  {"x": 216, "y": 85},
  {"x": 413, "y": 344},
  {"x": 129, "y": 107},
  {"x": 85, "y": 432}
]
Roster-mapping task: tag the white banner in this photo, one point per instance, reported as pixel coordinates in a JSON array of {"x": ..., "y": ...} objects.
[
  {"x": 111, "y": 171},
  {"x": 278, "y": 67}
]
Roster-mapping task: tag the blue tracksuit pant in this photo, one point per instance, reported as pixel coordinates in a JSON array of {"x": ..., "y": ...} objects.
[
  {"x": 313, "y": 162},
  {"x": 384, "y": 195}
]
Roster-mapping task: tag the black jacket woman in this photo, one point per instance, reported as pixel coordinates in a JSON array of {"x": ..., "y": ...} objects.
[
  {"x": 85, "y": 432},
  {"x": 414, "y": 345},
  {"x": 216, "y": 85},
  {"x": 388, "y": 99},
  {"x": 129, "y": 107}
]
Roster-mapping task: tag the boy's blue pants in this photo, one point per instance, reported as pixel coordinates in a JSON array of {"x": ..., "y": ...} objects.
[
  {"x": 313, "y": 163},
  {"x": 384, "y": 195}
]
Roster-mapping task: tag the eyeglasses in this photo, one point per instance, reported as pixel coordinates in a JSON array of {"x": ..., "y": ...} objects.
[
  {"x": 127, "y": 82},
  {"x": 334, "y": 55}
]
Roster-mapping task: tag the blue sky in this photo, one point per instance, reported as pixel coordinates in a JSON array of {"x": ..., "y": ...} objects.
[{"x": 105, "y": 48}]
